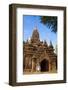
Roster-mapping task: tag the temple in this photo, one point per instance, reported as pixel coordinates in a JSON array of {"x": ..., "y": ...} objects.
[{"x": 38, "y": 56}]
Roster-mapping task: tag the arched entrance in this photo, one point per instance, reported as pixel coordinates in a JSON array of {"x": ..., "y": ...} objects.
[{"x": 44, "y": 65}]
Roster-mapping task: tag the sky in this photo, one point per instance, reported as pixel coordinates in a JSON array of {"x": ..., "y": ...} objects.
[{"x": 30, "y": 22}]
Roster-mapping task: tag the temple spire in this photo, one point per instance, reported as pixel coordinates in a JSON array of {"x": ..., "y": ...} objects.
[{"x": 35, "y": 36}]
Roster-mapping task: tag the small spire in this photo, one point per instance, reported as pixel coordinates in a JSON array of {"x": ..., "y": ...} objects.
[
  {"x": 50, "y": 43},
  {"x": 45, "y": 42},
  {"x": 29, "y": 40},
  {"x": 51, "y": 46}
]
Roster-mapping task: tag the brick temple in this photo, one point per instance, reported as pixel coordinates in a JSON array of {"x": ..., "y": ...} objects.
[{"x": 38, "y": 55}]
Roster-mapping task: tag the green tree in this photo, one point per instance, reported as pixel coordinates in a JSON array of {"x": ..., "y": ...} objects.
[{"x": 50, "y": 21}]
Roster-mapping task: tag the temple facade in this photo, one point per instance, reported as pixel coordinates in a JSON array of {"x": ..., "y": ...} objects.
[{"x": 38, "y": 56}]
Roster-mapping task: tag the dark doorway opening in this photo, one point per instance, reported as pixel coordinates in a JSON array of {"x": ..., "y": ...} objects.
[{"x": 44, "y": 65}]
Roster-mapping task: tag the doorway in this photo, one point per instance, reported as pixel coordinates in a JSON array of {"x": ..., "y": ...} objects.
[{"x": 44, "y": 65}]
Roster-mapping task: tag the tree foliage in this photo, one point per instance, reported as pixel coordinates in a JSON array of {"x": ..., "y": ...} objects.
[{"x": 50, "y": 21}]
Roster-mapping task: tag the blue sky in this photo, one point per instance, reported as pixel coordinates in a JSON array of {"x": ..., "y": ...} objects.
[{"x": 30, "y": 22}]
